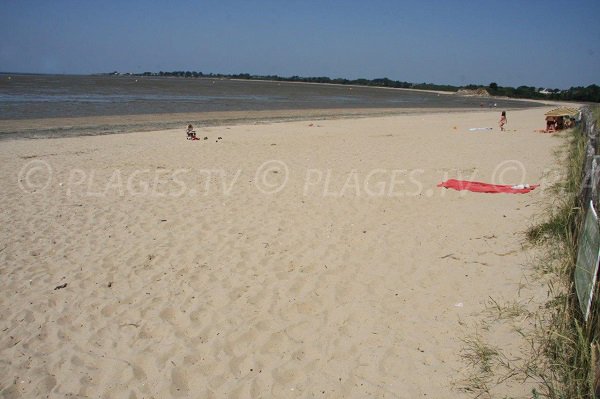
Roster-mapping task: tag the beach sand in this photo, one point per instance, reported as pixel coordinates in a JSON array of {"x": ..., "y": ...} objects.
[
  {"x": 95, "y": 125},
  {"x": 298, "y": 259}
]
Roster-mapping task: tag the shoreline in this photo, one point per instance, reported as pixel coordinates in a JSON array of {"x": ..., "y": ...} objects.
[{"x": 59, "y": 127}]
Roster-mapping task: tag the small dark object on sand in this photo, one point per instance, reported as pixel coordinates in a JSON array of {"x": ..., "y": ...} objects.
[
  {"x": 58, "y": 287},
  {"x": 220, "y": 138},
  {"x": 205, "y": 138},
  {"x": 109, "y": 284}
]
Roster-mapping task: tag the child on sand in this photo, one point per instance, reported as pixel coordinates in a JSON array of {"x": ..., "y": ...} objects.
[{"x": 502, "y": 121}]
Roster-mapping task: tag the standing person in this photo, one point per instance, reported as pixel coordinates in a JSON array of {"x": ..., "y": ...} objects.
[{"x": 503, "y": 120}]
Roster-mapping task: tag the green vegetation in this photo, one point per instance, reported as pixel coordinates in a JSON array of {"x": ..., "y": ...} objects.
[
  {"x": 586, "y": 94},
  {"x": 564, "y": 215}
]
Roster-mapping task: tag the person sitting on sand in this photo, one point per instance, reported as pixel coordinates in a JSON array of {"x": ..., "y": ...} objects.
[
  {"x": 191, "y": 133},
  {"x": 502, "y": 121},
  {"x": 569, "y": 123}
]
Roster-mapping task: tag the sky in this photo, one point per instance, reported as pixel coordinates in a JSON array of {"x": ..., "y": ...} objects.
[{"x": 541, "y": 43}]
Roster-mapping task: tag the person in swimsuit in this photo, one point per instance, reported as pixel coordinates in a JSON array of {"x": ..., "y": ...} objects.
[{"x": 503, "y": 120}]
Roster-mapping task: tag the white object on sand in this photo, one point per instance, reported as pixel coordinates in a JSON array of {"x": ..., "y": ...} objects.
[{"x": 520, "y": 186}]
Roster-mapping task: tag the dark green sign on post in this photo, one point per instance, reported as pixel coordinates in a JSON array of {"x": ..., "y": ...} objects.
[{"x": 587, "y": 261}]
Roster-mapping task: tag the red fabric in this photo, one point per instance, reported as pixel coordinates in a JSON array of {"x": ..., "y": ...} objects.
[{"x": 484, "y": 187}]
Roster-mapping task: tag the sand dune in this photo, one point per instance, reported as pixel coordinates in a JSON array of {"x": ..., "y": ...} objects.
[{"x": 291, "y": 259}]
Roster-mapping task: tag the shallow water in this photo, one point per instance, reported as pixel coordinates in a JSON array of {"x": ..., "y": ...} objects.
[{"x": 50, "y": 96}]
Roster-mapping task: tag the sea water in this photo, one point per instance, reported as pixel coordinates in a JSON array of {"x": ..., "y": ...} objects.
[{"x": 49, "y": 96}]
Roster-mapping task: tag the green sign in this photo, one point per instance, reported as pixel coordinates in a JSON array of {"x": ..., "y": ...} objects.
[{"x": 587, "y": 260}]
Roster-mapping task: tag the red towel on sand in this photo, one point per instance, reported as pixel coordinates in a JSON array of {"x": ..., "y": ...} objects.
[{"x": 484, "y": 187}]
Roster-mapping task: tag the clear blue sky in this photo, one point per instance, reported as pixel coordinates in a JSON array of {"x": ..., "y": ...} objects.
[{"x": 542, "y": 43}]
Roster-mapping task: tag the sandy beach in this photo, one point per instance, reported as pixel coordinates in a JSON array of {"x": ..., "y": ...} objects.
[
  {"x": 282, "y": 260},
  {"x": 98, "y": 125}
]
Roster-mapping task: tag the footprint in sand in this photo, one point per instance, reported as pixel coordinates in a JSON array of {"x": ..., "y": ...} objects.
[{"x": 179, "y": 382}]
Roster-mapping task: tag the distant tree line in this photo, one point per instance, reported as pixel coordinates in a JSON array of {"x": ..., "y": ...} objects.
[{"x": 585, "y": 94}]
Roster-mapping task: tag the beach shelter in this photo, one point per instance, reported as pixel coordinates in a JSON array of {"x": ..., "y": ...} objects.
[
  {"x": 563, "y": 111},
  {"x": 561, "y": 117}
]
